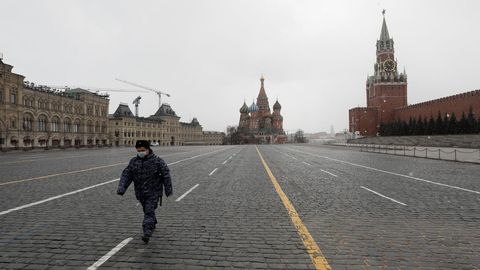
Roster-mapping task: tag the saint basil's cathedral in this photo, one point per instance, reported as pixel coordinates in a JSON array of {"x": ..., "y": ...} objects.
[{"x": 258, "y": 124}]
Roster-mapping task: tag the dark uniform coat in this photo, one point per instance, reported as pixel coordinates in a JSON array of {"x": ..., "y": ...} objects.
[{"x": 150, "y": 175}]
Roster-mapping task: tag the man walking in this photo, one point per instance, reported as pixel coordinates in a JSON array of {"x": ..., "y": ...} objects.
[{"x": 150, "y": 174}]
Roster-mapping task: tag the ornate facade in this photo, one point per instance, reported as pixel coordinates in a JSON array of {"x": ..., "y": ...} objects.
[
  {"x": 163, "y": 128},
  {"x": 33, "y": 116},
  {"x": 258, "y": 124},
  {"x": 39, "y": 117}
]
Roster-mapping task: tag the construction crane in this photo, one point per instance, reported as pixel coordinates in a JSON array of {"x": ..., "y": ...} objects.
[
  {"x": 158, "y": 92},
  {"x": 136, "y": 102}
]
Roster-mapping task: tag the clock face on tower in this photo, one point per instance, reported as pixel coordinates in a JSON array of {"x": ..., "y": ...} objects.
[{"x": 388, "y": 65}]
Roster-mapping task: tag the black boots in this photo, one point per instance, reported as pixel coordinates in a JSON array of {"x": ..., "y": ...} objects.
[{"x": 145, "y": 238}]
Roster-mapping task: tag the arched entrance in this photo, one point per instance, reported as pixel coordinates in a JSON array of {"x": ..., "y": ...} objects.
[
  {"x": 172, "y": 141},
  {"x": 78, "y": 142},
  {"x": 55, "y": 142},
  {"x": 43, "y": 142},
  {"x": 14, "y": 142},
  {"x": 67, "y": 142}
]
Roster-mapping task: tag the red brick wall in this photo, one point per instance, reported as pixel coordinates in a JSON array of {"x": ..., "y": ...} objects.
[
  {"x": 457, "y": 104},
  {"x": 387, "y": 97},
  {"x": 363, "y": 120}
]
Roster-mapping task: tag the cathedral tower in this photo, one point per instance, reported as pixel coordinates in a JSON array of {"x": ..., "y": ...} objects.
[
  {"x": 277, "y": 118},
  {"x": 262, "y": 100},
  {"x": 244, "y": 117}
]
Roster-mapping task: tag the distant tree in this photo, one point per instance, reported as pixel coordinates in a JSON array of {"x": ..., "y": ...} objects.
[
  {"x": 405, "y": 129},
  {"x": 425, "y": 125},
  {"x": 463, "y": 127},
  {"x": 439, "y": 126},
  {"x": 446, "y": 123},
  {"x": 453, "y": 124},
  {"x": 419, "y": 128},
  {"x": 471, "y": 122},
  {"x": 233, "y": 136},
  {"x": 413, "y": 127},
  {"x": 300, "y": 137},
  {"x": 381, "y": 129},
  {"x": 410, "y": 126},
  {"x": 477, "y": 126},
  {"x": 388, "y": 129},
  {"x": 430, "y": 126}
]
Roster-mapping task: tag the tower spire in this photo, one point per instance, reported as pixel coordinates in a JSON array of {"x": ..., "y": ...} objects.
[{"x": 384, "y": 36}]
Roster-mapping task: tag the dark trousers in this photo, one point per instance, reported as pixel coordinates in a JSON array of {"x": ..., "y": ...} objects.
[{"x": 149, "y": 205}]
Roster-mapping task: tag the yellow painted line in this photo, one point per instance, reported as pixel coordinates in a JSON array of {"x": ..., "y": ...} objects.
[
  {"x": 99, "y": 167},
  {"x": 313, "y": 250},
  {"x": 60, "y": 174}
]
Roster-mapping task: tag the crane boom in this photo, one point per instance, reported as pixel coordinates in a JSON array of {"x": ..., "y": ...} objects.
[
  {"x": 158, "y": 92},
  {"x": 98, "y": 89}
]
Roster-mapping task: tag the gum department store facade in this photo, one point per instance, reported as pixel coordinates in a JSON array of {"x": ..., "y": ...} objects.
[{"x": 34, "y": 117}]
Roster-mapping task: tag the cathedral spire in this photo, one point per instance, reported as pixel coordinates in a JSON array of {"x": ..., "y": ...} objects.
[
  {"x": 262, "y": 99},
  {"x": 262, "y": 92}
]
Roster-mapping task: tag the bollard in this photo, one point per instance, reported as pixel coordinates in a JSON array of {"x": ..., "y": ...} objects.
[
  {"x": 426, "y": 154},
  {"x": 438, "y": 153},
  {"x": 414, "y": 148},
  {"x": 404, "y": 150},
  {"x": 455, "y": 151}
]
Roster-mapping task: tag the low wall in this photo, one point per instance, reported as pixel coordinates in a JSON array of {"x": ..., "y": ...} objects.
[{"x": 463, "y": 141}]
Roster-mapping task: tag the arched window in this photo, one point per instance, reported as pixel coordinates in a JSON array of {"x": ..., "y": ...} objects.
[
  {"x": 67, "y": 125},
  {"x": 13, "y": 123},
  {"x": 97, "y": 127},
  {"x": 89, "y": 126},
  {"x": 77, "y": 126},
  {"x": 55, "y": 124},
  {"x": 104, "y": 127},
  {"x": 42, "y": 123},
  {"x": 27, "y": 122},
  {"x": 1, "y": 95}
]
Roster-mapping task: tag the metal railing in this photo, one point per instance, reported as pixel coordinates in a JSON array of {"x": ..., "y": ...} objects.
[{"x": 451, "y": 154}]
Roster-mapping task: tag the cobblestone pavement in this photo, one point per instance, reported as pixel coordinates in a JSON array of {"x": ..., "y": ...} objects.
[{"x": 59, "y": 210}]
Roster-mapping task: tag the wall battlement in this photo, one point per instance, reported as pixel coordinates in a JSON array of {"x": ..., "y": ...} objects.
[{"x": 454, "y": 98}]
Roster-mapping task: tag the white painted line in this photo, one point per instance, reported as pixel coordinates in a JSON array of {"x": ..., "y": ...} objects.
[
  {"x": 334, "y": 175},
  {"x": 225, "y": 162},
  {"x": 392, "y": 173},
  {"x": 186, "y": 193},
  {"x": 61, "y": 174},
  {"x": 293, "y": 157},
  {"x": 173, "y": 163},
  {"x": 381, "y": 195},
  {"x": 55, "y": 197},
  {"x": 213, "y": 171},
  {"x": 230, "y": 157},
  {"x": 110, "y": 254},
  {"x": 306, "y": 163},
  {"x": 87, "y": 188}
]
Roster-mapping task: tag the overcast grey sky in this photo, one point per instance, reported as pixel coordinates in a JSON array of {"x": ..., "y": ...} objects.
[{"x": 209, "y": 55}]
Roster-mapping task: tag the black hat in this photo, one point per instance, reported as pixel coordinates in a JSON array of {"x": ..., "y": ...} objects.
[{"x": 142, "y": 143}]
